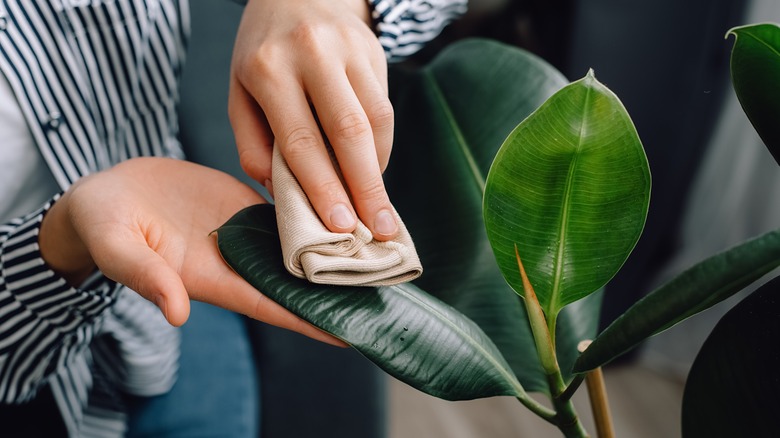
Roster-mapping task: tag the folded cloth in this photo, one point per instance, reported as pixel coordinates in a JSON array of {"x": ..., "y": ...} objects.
[{"x": 313, "y": 252}]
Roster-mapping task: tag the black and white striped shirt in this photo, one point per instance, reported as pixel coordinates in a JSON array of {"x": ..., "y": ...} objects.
[{"x": 96, "y": 81}]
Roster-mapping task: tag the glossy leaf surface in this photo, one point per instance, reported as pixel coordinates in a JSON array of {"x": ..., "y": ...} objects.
[
  {"x": 411, "y": 335},
  {"x": 698, "y": 288},
  {"x": 451, "y": 118},
  {"x": 571, "y": 188},
  {"x": 755, "y": 69},
  {"x": 732, "y": 388}
]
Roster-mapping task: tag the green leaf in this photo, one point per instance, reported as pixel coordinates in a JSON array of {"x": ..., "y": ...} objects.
[
  {"x": 698, "y": 288},
  {"x": 451, "y": 118},
  {"x": 411, "y": 335},
  {"x": 733, "y": 385},
  {"x": 570, "y": 187},
  {"x": 755, "y": 69}
]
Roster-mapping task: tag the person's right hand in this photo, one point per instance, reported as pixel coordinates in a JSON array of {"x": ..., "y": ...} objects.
[
  {"x": 146, "y": 223},
  {"x": 299, "y": 65}
]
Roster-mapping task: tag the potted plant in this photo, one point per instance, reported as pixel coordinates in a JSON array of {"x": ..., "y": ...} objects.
[{"x": 518, "y": 240}]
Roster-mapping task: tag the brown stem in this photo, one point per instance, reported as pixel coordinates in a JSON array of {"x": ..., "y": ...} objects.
[{"x": 597, "y": 393}]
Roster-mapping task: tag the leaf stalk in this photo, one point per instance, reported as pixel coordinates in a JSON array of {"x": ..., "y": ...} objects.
[{"x": 565, "y": 416}]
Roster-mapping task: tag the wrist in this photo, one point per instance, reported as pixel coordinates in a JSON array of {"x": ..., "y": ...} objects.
[
  {"x": 361, "y": 8},
  {"x": 60, "y": 245}
]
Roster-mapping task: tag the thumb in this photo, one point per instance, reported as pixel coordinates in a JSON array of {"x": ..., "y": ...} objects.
[{"x": 138, "y": 267}]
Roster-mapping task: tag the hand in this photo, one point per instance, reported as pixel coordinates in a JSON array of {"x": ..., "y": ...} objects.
[
  {"x": 297, "y": 62},
  {"x": 145, "y": 223}
]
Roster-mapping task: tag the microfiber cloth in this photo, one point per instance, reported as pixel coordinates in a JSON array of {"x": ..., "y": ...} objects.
[{"x": 313, "y": 252}]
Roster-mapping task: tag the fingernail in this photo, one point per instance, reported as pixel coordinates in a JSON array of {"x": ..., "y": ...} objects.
[
  {"x": 384, "y": 223},
  {"x": 341, "y": 217}
]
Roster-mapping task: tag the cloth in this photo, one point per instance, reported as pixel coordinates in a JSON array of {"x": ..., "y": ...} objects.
[{"x": 313, "y": 252}]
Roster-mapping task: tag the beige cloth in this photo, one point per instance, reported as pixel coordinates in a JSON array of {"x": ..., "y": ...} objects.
[{"x": 313, "y": 252}]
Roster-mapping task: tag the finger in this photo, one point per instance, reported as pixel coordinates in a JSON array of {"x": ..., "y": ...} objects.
[
  {"x": 239, "y": 296},
  {"x": 254, "y": 139},
  {"x": 298, "y": 137},
  {"x": 132, "y": 263},
  {"x": 371, "y": 90},
  {"x": 347, "y": 126}
]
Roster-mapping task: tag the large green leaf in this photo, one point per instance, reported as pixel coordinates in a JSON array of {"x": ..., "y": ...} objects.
[
  {"x": 698, "y": 288},
  {"x": 451, "y": 118},
  {"x": 570, "y": 187},
  {"x": 732, "y": 388},
  {"x": 411, "y": 335},
  {"x": 755, "y": 69}
]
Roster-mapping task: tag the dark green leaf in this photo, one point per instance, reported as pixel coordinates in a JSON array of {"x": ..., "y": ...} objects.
[
  {"x": 411, "y": 335},
  {"x": 451, "y": 118},
  {"x": 570, "y": 187},
  {"x": 698, "y": 288},
  {"x": 755, "y": 69},
  {"x": 733, "y": 386}
]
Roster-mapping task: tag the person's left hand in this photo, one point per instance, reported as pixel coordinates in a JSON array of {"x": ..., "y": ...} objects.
[
  {"x": 300, "y": 62},
  {"x": 146, "y": 223}
]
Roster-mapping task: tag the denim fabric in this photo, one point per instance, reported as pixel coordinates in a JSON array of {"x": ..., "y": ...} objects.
[{"x": 216, "y": 393}]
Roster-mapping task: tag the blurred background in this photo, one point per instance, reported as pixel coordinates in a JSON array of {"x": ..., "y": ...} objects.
[{"x": 668, "y": 62}]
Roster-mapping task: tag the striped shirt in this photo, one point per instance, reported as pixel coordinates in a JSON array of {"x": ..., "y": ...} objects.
[{"x": 96, "y": 81}]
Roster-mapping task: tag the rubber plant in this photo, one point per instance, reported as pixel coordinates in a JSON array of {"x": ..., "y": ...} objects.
[
  {"x": 525, "y": 194},
  {"x": 732, "y": 387}
]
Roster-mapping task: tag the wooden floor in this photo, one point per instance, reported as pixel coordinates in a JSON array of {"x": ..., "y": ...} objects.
[{"x": 644, "y": 404}]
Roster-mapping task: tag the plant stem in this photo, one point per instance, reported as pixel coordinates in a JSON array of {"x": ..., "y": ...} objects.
[
  {"x": 568, "y": 421},
  {"x": 535, "y": 407},
  {"x": 565, "y": 416},
  {"x": 597, "y": 393},
  {"x": 598, "y": 403},
  {"x": 568, "y": 393}
]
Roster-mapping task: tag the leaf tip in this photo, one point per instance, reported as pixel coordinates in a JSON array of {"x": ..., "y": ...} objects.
[
  {"x": 732, "y": 31},
  {"x": 590, "y": 80}
]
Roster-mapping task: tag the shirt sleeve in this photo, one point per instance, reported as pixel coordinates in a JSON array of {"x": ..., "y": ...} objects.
[
  {"x": 44, "y": 322},
  {"x": 405, "y": 26}
]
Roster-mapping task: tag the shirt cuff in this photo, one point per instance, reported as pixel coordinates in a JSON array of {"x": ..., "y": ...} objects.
[
  {"x": 405, "y": 26},
  {"x": 39, "y": 289}
]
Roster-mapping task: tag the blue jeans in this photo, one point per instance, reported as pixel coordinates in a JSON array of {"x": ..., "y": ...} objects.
[{"x": 216, "y": 393}]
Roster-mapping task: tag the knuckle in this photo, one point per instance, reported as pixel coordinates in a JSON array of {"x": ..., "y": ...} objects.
[
  {"x": 372, "y": 192},
  {"x": 329, "y": 191},
  {"x": 298, "y": 142},
  {"x": 310, "y": 36},
  {"x": 351, "y": 125},
  {"x": 263, "y": 61},
  {"x": 381, "y": 115}
]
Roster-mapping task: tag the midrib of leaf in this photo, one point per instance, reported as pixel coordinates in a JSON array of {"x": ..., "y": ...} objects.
[
  {"x": 442, "y": 101},
  {"x": 764, "y": 43},
  {"x": 555, "y": 293},
  {"x": 243, "y": 226},
  {"x": 477, "y": 346}
]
